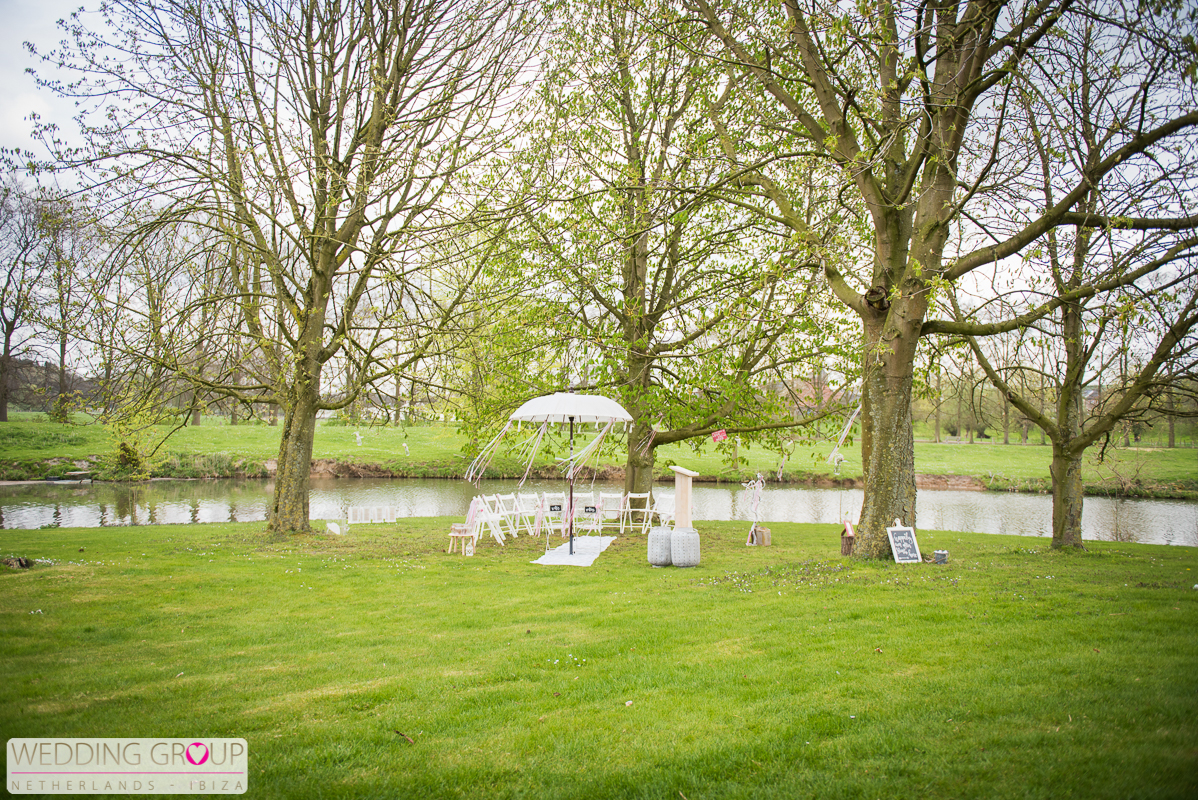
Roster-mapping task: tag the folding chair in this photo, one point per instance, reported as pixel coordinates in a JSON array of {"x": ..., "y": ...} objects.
[
  {"x": 588, "y": 513},
  {"x": 665, "y": 516},
  {"x": 527, "y": 506},
  {"x": 488, "y": 515},
  {"x": 636, "y": 503},
  {"x": 553, "y": 512},
  {"x": 612, "y": 509},
  {"x": 509, "y": 512}
]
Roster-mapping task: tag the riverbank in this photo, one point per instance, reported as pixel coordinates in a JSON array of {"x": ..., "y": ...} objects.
[
  {"x": 33, "y": 449},
  {"x": 376, "y": 665}
]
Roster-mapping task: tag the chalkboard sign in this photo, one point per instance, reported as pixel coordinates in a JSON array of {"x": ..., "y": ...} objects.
[
  {"x": 557, "y": 507},
  {"x": 590, "y": 509},
  {"x": 902, "y": 544}
]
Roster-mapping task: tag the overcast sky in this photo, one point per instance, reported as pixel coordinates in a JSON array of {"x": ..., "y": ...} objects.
[{"x": 32, "y": 21}]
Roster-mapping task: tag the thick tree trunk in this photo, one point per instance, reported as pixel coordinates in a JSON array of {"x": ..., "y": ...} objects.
[
  {"x": 887, "y": 441},
  {"x": 1067, "y": 495},
  {"x": 289, "y": 511},
  {"x": 1066, "y": 469},
  {"x": 638, "y": 468}
]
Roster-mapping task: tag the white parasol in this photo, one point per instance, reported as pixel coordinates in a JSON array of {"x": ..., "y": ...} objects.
[
  {"x": 558, "y": 408},
  {"x": 568, "y": 407}
]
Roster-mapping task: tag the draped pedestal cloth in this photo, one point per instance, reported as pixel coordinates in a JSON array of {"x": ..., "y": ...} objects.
[{"x": 586, "y": 550}]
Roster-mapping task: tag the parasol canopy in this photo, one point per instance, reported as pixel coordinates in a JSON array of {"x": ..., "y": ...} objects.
[
  {"x": 567, "y": 407},
  {"x": 552, "y": 409}
]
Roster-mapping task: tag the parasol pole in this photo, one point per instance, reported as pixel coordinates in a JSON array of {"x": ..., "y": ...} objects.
[{"x": 570, "y": 505}]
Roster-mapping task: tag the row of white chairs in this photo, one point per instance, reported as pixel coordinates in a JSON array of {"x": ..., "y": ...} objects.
[{"x": 503, "y": 515}]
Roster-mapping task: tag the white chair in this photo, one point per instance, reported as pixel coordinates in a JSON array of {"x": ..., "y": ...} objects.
[
  {"x": 366, "y": 515},
  {"x": 527, "y": 506},
  {"x": 460, "y": 532},
  {"x": 588, "y": 513},
  {"x": 613, "y": 510},
  {"x": 509, "y": 512},
  {"x": 636, "y": 503},
  {"x": 553, "y": 512},
  {"x": 665, "y": 516},
  {"x": 488, "y": 515}
]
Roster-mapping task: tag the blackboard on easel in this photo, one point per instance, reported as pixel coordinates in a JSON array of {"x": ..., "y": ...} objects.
[{"x": 903, "y": 544}]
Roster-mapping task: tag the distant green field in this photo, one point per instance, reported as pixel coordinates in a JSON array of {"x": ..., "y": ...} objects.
[
  {"x": 376, "y": 665},
  {"x": 438, "y": 450}
]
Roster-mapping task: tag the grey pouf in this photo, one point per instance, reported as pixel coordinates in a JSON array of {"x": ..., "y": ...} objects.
[
  {"x": 684, "y": 547},
  {"x": 659, "y": 547}
]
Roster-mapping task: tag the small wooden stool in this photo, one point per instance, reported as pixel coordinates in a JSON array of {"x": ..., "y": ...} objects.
[{"x": 459, "y": 531}]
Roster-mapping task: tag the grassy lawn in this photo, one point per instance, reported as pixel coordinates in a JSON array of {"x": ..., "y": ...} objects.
[
  {"x": 215, "y": 448},
  {"x": 374, "y": 665}
]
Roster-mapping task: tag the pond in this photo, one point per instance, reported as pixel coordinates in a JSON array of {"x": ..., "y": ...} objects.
[{"x": 49, "y": 505}]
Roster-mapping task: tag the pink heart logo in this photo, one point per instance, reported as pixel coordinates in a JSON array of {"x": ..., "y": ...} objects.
[{"x": 198, "y": 748}]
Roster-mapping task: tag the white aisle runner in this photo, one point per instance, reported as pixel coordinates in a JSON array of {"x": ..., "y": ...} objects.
[{"x": 586, "y": 550}]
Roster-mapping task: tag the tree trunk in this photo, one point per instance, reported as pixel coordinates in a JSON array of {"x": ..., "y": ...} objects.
[
  {"x": 62, "y": 371},
  {"x": 887, "y": 441},
  {"x": 1067, "y": 495},
  {"x": 1006, "y": 421},
  {"x": 939, "y": 400},
  {"x": 5, "y": 363},
  {"x": 289, "y": 511},
  {"x": 638, "y": 468},
  {"x": 233, "y": 400},
  {"x": 1066, "y": 469},
  {"x": 108, "y": 389},
  {"x": 960, "y": 423}
]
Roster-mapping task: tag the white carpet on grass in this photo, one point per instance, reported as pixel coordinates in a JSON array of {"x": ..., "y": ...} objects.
[{"x": 586, "y": 550}]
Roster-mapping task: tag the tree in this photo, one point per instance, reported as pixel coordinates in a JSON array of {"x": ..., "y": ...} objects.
[
  {"x": 303, "y": 153},
  {"x": 693, "y": 311},
  {"x": 1115, "y": 294},
  {"x": 22, "y": 248},
  {"x": 66, "y": 306},
  {"x": 914, "y": 104}
]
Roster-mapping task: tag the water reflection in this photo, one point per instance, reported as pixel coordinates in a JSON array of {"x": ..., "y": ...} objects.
[{"x": 39, "y": 505}]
